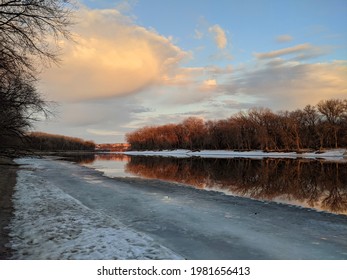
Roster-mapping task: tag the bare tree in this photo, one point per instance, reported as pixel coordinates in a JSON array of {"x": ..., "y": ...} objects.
[
  {"x": 27, "y": 30},
  {"x": 195, "y": 132},
  {"x": 19, "y": 104},
  {"x": 311, "y": 134},
  {"x": 259, "y": 128},
  {"x": 334, "y": 113}
]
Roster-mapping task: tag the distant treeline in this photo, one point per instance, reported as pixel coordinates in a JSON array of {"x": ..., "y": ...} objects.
[
  {"x": 115, "y": 147},
  {"x": 314, "y": 127},
  {"x": 50, "y": 142}
]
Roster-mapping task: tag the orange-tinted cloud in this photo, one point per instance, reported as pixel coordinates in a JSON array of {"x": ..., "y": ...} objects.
[
  {"x": 219, "y": 36},
  {"x": 111, "y": 57}
]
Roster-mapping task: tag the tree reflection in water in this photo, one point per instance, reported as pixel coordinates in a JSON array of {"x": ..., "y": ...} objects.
[
  {"x": 88, "y": 158},
  {"x": 317, "y": 184}
]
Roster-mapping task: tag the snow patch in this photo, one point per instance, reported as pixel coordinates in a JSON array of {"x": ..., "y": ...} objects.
[
  {"x": 329, "y": 154},
  {"x": 50, "y": 224}
]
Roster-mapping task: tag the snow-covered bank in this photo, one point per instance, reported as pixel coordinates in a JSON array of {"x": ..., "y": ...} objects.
[
  {"x": 50, "y": 224},
  {"x": 328, "y": 154}
]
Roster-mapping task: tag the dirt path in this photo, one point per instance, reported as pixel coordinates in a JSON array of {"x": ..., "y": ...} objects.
[{"x": 8, "y": 172}]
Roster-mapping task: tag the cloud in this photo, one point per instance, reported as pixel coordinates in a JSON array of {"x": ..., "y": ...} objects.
[
  {"x": 301, "y": 52},
  {"x": 141, "y": 109},
  {"x": 104, "y": 132},
  {"x": 281, "y": 52},
  {"x": 290, "y": 85},
  {"x": 222, "y": 55},
  {"x": 219, "y": 36},
  {"x": 112, "y": 56},
  {"x": 210, "y": 82},
  {"x": 95, "y": 119},
  {"x": 198, "y": 34},
  {"x": 216, "y": 70},
  {"x": 285, "y": 38},
  {"x": 184, "y": 76},
  {"x": 97, "y": 113},
  {"x": 118, "y": 73}
]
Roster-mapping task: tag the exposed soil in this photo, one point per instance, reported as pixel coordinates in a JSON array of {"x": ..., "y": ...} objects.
[{"x": 8, "y": 171}]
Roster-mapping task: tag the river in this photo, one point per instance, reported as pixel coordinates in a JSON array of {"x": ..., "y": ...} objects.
[{"x": 311, "y": 183}]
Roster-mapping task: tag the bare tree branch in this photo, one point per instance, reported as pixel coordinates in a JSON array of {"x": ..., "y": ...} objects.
[{"x": 27, "y": 30}]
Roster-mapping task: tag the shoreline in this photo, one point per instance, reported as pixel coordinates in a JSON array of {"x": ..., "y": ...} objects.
[
  {"x": 50, "y": 224},
  {"x": 8, "y": 174},
  {"x": 331, "y": 154}
]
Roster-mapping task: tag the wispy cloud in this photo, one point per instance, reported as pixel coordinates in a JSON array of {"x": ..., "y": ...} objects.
[
  {"x": 285, "y": 51},
  {"x": 198, "y": 34},
  {"x": 215, "y": 70},
  {"x": 290, "y": 85},
  {"x": 104, "y": 132},
  {"x": 219, "y": 36},
  {"x": 300, "y": 52},
  {"x": 284, "y": 38}
]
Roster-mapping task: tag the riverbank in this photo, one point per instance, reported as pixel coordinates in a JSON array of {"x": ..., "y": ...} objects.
[
  {"x": 332, "y": 154},
  {"x": 50, "y": 224},
  {"x": 65, "y": 211},
  {"x": 8, "y": 171}
]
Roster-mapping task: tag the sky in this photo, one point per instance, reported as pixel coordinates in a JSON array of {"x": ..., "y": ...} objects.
[{"x": 139, "y": 63}]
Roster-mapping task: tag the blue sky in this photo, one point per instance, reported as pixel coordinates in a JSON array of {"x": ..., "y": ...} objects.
[
  {"x": 251, "y": 25},
  {"x": 149, "y": 62}
]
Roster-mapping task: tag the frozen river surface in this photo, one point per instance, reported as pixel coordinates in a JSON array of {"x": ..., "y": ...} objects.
[{"x": 174, "y": 220}]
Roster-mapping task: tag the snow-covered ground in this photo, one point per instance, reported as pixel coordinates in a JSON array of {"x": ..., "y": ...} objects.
[
  {"x": 328, "y": 154},
  {"x": 50, "y": 224}
]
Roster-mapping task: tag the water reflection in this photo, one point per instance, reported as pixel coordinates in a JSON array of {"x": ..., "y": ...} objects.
[
  {"x": 82, "y": 158},
  {"x": 316, "y": 184},
  {"x": 111, "y": 165},
  {"x": 89, "y": 158},
  {"x": 310, "y": 183}
]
